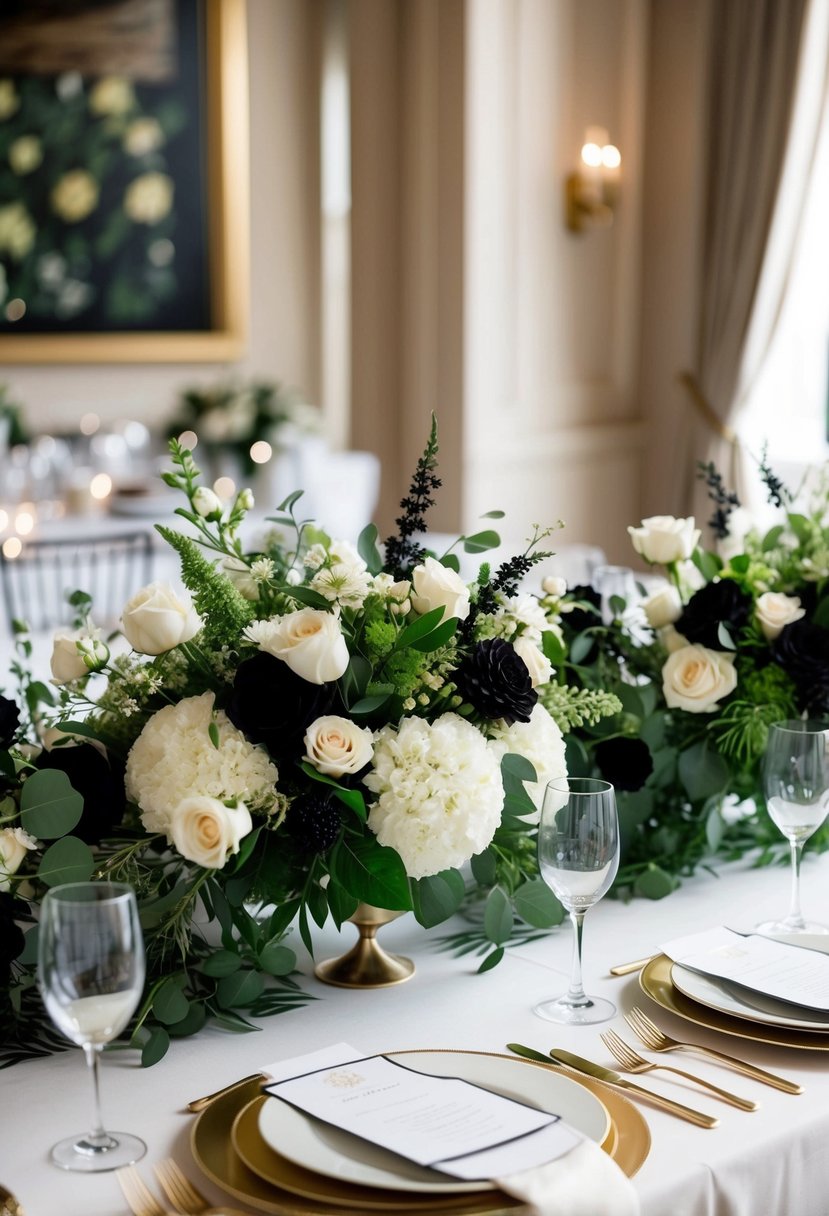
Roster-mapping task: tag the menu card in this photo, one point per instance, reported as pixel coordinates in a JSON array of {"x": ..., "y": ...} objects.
[
  {"x": 780, "y": 970},
  {"x": 451, "y": 1125}
]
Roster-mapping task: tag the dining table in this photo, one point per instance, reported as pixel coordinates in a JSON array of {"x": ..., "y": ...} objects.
[{"x": 768, "y": 1162}]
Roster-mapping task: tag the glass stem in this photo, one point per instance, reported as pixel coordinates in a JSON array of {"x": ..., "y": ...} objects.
[
  {"x": 575, "y": 993},
  {"x": 795, "y": 914},
  {"x": 97, "y": 1140}
]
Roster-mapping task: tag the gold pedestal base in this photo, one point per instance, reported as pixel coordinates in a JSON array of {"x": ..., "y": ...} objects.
[{"x": 367, "y": 965}]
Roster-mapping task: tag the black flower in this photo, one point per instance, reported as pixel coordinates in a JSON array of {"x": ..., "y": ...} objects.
[
  {"x": 11, "y": 936},
  {"x": 624, "y": 762},
  {"x": 100, "y": 784},
  {"x": 496, "y": 682},
  {"x": 314, "y": 822},
  {"x": 576, "y": 620},
  {"x": 721, "y": 603},
  {"x": 802, "y": 650},
  {"x": 271, "y": 704},
  {"x": 9, "y": 721}
]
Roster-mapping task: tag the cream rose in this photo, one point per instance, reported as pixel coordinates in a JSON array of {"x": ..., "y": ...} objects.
[
  {"x": 695, "y": 678},
  {"x": 149, "y": 198},
  {"x": 15, "y": 843},
  {"x": 310, "y": 641},
  {"x": 206, "y": 503},
  {"x": 661, "y": 539},
  {"x": 535, "y": 660},
  {"x": 336, "y": 746},
  {"x": 25, "y": 154},
  {"x": 111, "y": 95},
  {"x": 75, "y": 195},
  {"x": 155, "y": 620},
  {"x": 663, "y": 607},
  {"x": 553, "y": 584},
  {"x": 436, "y": 586},
  {"x": 74, "y": 655},
  {"x": 774, "y": 611},
  {"x": 207, "y": 832}
]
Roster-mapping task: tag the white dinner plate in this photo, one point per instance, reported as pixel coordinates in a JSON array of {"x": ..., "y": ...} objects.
[
  {"x": 744, "y": 1003},
  {"x": 338, "y": 1154}
]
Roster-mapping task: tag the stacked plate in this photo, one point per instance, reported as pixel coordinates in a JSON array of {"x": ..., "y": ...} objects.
[
  {"x": 722, "y": 1005},
  {"x": 278, "y": 1159}
]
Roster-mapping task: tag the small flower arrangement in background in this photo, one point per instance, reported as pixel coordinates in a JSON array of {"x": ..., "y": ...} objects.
[
  {"x": 321, "y": 726},
  {"x": 232, "y": 417},
  {"x": 738, "y": 639}
]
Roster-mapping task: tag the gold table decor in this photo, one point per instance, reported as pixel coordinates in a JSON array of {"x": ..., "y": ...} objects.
[{"x": 367, "y": 964}]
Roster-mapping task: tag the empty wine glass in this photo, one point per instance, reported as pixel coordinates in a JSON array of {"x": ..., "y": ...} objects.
[
  {"x": 796, "y": 783},
  {"x": 578, "y": 856},
  {"x": 91, "y": 975}
]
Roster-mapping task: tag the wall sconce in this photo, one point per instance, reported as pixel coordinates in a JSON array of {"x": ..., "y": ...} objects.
[{"x": 592, "y": 192}]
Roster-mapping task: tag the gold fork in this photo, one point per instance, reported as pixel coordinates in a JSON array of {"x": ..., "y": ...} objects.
[
  {"x": 179, "y": 1190},
  {"x": 138, "y": 1195},
  {"x": 657, "y": 1040},
  {"x": 631, "y": 1061}
]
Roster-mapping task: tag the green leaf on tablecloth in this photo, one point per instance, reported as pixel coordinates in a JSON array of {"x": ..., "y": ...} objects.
[
  {"x": 277, "y": 959},
  {"x": 491, "y": 960},
  {"x": 437, "y": 897},
  {"x": 220, "y": 963},
  {"x": 169, "y": 1003},
  {"x": 371, "y": 873},
  {"x": 229, "y": 1019},
  {"x": 498, "y": 917},
  {"x": 655, "y": 883},
  {"x": 190, "y": 1024},
  {"x": 67, "y": 860},
  {"x": 49, "y": 806},
  {"x": 239, "y": 989},
  {"x": 155, "y": 1047},
  {"x": 537, "y": 905}
]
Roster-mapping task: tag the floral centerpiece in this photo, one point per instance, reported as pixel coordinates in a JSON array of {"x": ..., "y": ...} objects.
[
  {"x": 736, "y": 638},
  {"x": 322, "y": 725}
]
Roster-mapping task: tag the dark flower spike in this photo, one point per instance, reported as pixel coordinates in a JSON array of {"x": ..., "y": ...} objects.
[
  {"x": 778, "y": 492},
  {"x": 724, "y": 500},
  {"x": 9, "y": 721},
  {"x": 402, "y": 552},
  {"x": 496, "y": 682}
]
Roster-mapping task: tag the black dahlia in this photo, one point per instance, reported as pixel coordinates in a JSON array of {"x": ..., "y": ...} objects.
[
  {"x": 9, "y": 721},
  {"x": 496, "y": 682},
  {"x": 722, "y": 603},
  {"x": 314, "y": 822},
  {"x": 100, "y": 784},
  {"x": 802, "y": 650},
  {"x": 624, "y": 762},
  {"x": 576, "y": 620},
  {"x": 271, "y": 704}
]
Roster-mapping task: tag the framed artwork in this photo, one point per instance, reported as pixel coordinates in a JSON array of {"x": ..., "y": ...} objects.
[{"x": 123, "y": 180}]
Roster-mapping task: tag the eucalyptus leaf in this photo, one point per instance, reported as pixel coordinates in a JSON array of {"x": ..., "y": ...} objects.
[
  {"x": 169, "y": 1003},
  {"x": 49, "y": 806},
  {"x": 67, "y": 860},
  {"x": 480, "y": 542},
  {"x": 239, "y": 989},
  {"x": 437, "y": 897},
  {"x": 368, "y": 550},
  {"x": 277, "y": 959},
  {"x": 537, "y": 905},
  {"x": 498, "y": 917},
  {"x": 220, "y": 963},
  {"x": 702, "y": 771},
  {"x": 191, "y": 1023},
  {"x": 155, "y": 1047},
  {"x": 655, "y": 883},
  {"x": 484, "y": 867}
]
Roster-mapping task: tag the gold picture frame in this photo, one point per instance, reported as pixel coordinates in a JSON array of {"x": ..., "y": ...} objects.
[{"x": 227, "y": 184}]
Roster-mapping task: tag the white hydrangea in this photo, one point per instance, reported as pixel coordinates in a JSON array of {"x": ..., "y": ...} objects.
[
  {"x": 539, "y": 741},
  {"x": 174, "y": 758},
  {"x": 439, "y": 792}
]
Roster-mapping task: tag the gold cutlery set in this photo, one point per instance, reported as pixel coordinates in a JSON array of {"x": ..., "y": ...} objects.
[{"x": 178, "y": 1190}]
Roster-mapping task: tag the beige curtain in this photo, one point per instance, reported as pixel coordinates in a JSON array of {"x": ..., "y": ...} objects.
[{"x": 753, "y": 60}]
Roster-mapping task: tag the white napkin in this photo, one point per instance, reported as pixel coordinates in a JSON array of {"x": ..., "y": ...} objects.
[{"x": 585, "y": 1182}]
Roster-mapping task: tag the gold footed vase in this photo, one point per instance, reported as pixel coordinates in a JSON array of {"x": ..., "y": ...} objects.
[{"x": 367, "y": 965}]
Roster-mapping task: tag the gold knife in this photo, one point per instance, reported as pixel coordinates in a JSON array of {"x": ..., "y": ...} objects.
[
  {"x": 614, "y": 1078},
  {"x": 610, "y": 1077},
  {"x": 199, "y": 1104},
  {"x": 629, "y": 968}
]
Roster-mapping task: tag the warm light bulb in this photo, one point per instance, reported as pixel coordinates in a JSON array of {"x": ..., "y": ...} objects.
[
  {"x": 89, "y": 424},
  {"x": 225, "y": 487},
  {"x": 188, "y": 439},
  {"x": 611, "y": 156},
  {"x": 260, "y": 452},
  {"x": 591, "y": 154},
  {"x": 100, "y": 486},
  {"x": 24, "y": 522},
  {"x": 12, "y": 547}
]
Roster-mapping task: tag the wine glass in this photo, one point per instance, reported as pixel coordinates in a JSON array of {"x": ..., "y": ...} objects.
[
  {"x": 91, "y": 975},
  {"x": 796, "y": 783},
  {"x": 578, "y": 856}
]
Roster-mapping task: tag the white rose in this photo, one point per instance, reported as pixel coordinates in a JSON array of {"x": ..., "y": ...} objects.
[
  {"x": 207, "y": 832},
  {"x": 662, "y": 539},
  {"x": 552, "y": 584},
  {"x": 310, "y": 641},
  {"x": 74, "y": 655},
  {"x": 436, "y": 586},
  {"x": 535, "y": 660},
  {"x": 245, "y": 500},
  {"x": 206, "y": 503},
  {"x": 663, "y": 607},
  {"x": 15, "y": 843},
  {"x": 336, "y": 746},
  {"x": 695, "y": 678},
  {"x": 774, "y": 611},
  {"x": 155, "y": 620}
]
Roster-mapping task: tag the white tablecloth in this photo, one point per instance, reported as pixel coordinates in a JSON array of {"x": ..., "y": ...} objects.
[{"x": 772, "y": 1162}]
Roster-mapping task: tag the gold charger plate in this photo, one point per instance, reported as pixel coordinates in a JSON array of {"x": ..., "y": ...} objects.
[
  {"x": 214, "y": 1153},
  {"x": 655, "y": 981}
]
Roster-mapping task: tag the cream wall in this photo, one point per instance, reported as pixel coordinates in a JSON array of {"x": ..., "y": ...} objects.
[{"x": 284, "y": 331}]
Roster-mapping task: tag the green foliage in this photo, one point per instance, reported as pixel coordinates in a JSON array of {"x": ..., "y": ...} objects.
[{"x": 224, "y": 611}]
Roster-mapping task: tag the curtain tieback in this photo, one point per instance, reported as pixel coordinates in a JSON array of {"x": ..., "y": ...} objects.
[{"x": 706, "y": 410}]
